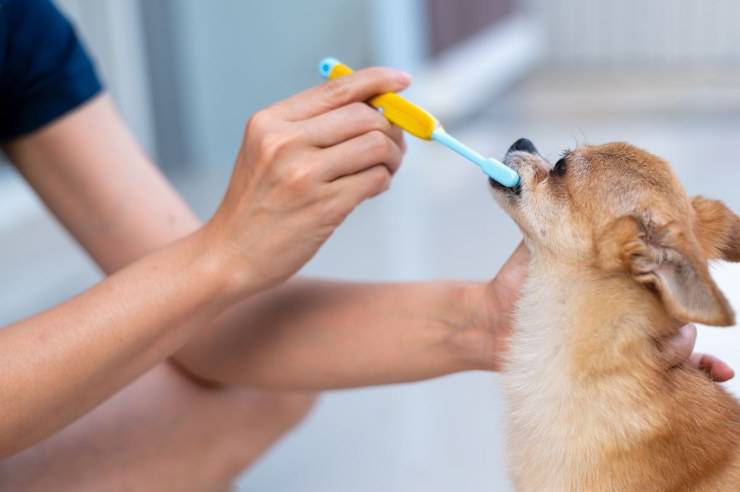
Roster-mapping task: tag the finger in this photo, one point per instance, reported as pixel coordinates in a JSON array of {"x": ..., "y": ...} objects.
[
  {"x": 514, "y": 271},
  {"x": 520, "y": 255},
  {"x": 396, "y": 133},
  {"x": 360, "y": 154},
  {"x": 355, "y": 188},
  {"x": 347, "y": 122},
  {"x": 357, "y": 87},
  {"x": 507, "y": 284},
  {"x": 679, "y": 348},
  {"x": 715, "y": 368}
]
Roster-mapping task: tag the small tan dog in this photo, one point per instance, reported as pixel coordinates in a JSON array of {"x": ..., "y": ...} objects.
[{"x": 619, "y": 263}]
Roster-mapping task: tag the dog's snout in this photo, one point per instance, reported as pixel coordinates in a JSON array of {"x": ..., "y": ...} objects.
[{"x": 523, "y": 145}]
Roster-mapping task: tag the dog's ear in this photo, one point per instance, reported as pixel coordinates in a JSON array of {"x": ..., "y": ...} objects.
[
  {"x": 662, "y": 259},
  {"x": 717, "y": 229}
]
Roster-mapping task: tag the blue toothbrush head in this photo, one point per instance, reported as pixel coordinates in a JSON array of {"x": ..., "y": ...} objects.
[
  {"x": 492, "y": 168},
  {"x": 500, "y": 172}
]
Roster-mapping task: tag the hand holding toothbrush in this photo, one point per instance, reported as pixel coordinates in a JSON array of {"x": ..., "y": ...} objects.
[{"x": 304, "y": 164}]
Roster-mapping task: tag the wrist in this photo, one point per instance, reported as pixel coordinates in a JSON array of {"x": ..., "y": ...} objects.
[
  {"x": 237, "y": 275},
  {"x": 218, "y": 267}
]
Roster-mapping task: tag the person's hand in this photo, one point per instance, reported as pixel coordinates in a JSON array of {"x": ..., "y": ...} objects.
[
  {"x": 499, "y": 301},
  {"x": 304, "y": 164},
  {"x": 680, "y": 349},
  {"x": 502, "y": 293}
]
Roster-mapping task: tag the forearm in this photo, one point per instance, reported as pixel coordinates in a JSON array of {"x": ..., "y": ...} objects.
[
  {"x": 113, "y": 200},
  {"x": 59, "y": 364},
  {"x": 311, "y": 334}
]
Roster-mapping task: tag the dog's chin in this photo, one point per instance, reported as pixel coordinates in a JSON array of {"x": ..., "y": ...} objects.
[{"x": 505, "y": 190}]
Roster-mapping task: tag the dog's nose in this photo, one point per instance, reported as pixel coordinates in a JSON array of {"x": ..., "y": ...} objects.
[{"x": 523, "y": 145}]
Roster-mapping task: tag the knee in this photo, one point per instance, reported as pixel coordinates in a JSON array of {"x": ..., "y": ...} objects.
[
  {"x": 285, "y": 410},
  {"x": 262, "y": 419}
]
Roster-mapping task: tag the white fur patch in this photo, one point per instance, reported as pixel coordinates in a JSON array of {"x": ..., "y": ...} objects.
[
  {"x": 557, "y": 428},
  {"x": 535, "y": 380}
]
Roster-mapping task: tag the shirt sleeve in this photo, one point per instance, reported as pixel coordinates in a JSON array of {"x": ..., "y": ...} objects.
[{"x": 46, "y": 72}]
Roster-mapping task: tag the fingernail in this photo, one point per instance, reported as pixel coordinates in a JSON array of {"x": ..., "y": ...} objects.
[{"x": 403, "y": 77}]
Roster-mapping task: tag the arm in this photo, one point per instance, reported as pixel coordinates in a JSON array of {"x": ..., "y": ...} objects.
[
  {"x": 314, "y": 335},
  {"x": 102, "y": 187},
  {"x": 57, "y": 365},
  {"x": 310, "y": 334},
  {"x": 305, "y": 334}
]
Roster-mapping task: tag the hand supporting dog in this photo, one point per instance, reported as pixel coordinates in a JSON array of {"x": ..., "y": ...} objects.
[
  {"x": 499, "y": 299},
  {"x": 681, "y": 346}
]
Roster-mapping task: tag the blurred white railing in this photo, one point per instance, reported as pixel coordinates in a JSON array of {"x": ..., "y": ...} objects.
[
  {"x": 641, "y": 31},
  {"x": 113, "y": 33}
]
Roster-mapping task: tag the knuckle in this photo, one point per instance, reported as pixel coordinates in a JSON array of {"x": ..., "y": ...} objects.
[
  {"x": 384, "y": 176},
  {"x": 377, "y": 121},
  {"x": 258, "y": 122},
  {"x": 378, "y": 180},
  {"x": 338, "y": 90},
  {"x": 358, "y": 109},
  {"x": 370, "y": 117},
  {"x": 367, "y": 118},
  {"x": 378, "y": 140},
  {"x": 394, "y": 163},
  {"x": 382, "y": 181}
]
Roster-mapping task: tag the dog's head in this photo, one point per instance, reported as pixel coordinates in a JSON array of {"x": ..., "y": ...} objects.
[{"x": 621, "y": 211}]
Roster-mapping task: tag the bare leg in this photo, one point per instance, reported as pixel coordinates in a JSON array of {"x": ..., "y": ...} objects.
[{"x": 163, "y": 432}]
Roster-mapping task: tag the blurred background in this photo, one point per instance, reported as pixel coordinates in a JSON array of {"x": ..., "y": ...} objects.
[{"x": 186, "y": 74}]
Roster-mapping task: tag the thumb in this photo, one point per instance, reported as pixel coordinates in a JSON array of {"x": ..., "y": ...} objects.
[{"x": 679, "y": 350}]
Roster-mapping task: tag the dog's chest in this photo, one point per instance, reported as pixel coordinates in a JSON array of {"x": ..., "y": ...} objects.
[
  {"x": 535, "y": 380},
  {"x": 558, "y": 426},
  {"x": 547, "y": 435}
]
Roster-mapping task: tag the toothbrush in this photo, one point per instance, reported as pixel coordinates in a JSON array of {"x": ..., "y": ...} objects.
[{"x": 422, "y": 124}]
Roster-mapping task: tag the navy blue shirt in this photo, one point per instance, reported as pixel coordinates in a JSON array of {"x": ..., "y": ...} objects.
[{"x": 44, "y": 70}]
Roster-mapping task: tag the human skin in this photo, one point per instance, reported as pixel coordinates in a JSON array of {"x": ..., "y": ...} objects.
[
  {"x": 194, "y": 305},
  {"x": 297, "y": 175}
]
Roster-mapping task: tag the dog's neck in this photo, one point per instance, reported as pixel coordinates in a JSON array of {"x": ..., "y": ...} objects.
[
  {"x": 576, "y": 334},
  {"x": 586, "y": 383},
  {"x": 599, "y": 322}
]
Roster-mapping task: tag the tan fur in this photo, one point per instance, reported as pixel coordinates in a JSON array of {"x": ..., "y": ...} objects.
[{"x": 619, "y": 262}]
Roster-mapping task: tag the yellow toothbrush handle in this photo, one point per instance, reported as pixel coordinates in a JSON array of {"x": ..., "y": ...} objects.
[{"x": 398, "y": 110}]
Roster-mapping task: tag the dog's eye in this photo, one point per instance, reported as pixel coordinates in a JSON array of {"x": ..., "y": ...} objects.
[{"x": 560, "y": 167}]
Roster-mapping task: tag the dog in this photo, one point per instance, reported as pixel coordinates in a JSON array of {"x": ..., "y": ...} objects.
[{"x": 619, "y": 262}]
